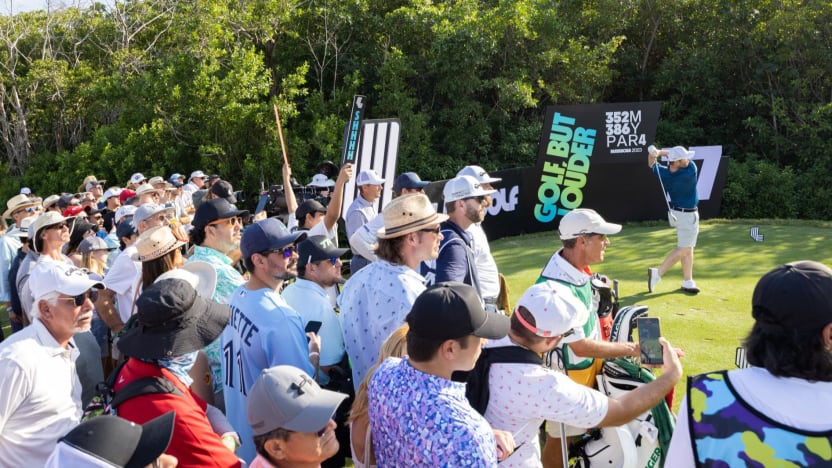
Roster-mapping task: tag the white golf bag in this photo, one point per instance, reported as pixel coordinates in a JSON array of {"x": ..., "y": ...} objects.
[{"x": 642, "y": 442}]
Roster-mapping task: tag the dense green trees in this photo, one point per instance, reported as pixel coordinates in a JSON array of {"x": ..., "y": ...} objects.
[{"x": 163, "y": 85}]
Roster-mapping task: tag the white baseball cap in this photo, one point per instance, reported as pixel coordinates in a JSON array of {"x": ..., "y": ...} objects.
[
  {"x": 122, "y": 211},
  {"x": 137, "y": 178},
  {"x": 478, "y": 173},
  {"x": 112, "y": 192},
  {"x": 554, "y": 308},
  {"x": 48, "y": 277},
  {"x": 678, "y": 153},
  {"x": 585, "y": 221},
  {"x": 368, "y": 177},
  {"x": 147, "y": 210},
  {"x": 462, "y": 187},
  {"x": 198, "y": 174}
]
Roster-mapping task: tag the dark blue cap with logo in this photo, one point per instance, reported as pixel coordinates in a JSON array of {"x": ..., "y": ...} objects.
[{"x": 267, "y": 234}]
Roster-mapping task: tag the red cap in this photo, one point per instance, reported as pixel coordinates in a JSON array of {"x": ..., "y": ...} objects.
[{"x": 125, "y": 195}]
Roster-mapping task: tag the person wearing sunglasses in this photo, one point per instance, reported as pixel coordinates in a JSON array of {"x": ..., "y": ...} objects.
[
  {"x": 291, "y": 419},
  {"x": 40, "y": 392},
  {"x": 375, "y": 301},
  {"x": 545, "y": 314},
  {"x": 584, "y": 235},
  {"x": 18, "y": 207},
  {"x": 215, "y": 234},
  {"x": 465, "y": 205},
  {"x": 264, "y": 331},
  {"x": 319, "y": 268}
]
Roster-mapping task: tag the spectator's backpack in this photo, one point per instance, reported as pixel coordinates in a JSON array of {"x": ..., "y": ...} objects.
[
  {"x": 107, "y": 400},
  {"x": 477, "y": 380}
]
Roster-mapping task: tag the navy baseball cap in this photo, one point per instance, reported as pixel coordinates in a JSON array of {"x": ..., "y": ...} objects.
[
  {"x": 265, "y": 235},
  {"x": 410, "y": 181}
]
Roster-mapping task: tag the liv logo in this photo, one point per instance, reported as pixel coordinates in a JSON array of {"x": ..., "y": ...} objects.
[{"x": 501, "y": 202}]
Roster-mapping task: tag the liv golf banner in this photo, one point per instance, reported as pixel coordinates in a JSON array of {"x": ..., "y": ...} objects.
[{"x": 595, "y": 156}]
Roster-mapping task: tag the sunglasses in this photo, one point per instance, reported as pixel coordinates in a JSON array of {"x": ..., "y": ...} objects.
[
  {"x": 80, "y": 299},
  {"x": 433, "y": 230},
  {"x": 58, "y": 226},
  {"x": 232, "y": 221},
  {"x": 602, "y": 236},
  {"x": 285, "y": 251},
  {"x": 333, "y": 260},
  {"x": 479, "y": 199}
]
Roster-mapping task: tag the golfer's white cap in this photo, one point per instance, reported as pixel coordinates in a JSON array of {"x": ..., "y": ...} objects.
[
  {"x": 585, "y": 221},
  {"x": 678, "y": 153},
  {"x": 368, "y": 177},
  {"x": 478, "y": 173}
]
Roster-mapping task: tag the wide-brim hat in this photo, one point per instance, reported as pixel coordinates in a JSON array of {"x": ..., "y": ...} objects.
[
  {"x": 321, "y": 180},
  {"x": 18, "y": 202},
  {"x": 407, "y": 214},
  {"x": 201, "y": 275},
  {"x": 173, "y": 320},
  {"x": 156, "y": 242},
  {"x": 50, "y": 218},
  {"x": 147, "y": 188}
]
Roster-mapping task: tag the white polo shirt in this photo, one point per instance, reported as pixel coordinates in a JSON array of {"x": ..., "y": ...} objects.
[
  {"x": 523, "y": 395},
  {"x": 122, "y": 278},
  {"x": 40, "y": 395}
]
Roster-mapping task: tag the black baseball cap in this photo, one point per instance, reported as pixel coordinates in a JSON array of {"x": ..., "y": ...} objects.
[
  {"x": 117, "y": 441},
  {"x": 214, "y": 209},
  {"x": 307, "y": 207},
  {"x": 317, "y": 248},
  {"x": 794, "y": 296},
  {"x": 223, "y": 189},
  {"x": 452, "y": 310}
]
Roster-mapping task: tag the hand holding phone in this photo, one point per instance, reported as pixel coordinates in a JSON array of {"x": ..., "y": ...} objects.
[{"x": 649, "y": 332}]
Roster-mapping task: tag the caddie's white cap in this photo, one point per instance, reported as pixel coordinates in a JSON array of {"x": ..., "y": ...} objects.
[
  {"x": 678, "y": 153},
  {"x": 554, "y": 308},
  {"x": 585, "y": 221},
  {"x": 462, "y": 187}
]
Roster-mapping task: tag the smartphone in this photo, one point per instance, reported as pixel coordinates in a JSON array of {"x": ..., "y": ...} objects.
[
  {"x": 261, "y": 204},
  {"x": 313, "y": 326},
  {"x": 649, "y": 332}
]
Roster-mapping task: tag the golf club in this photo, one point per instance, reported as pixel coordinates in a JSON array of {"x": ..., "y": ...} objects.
[{"x": 652, "y": 149}]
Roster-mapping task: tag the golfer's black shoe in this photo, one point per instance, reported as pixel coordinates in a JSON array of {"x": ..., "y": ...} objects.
[{"x": 693, "y": 290}]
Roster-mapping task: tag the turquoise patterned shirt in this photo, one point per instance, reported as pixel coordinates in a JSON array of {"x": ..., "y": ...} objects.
[{"x": 228, "y": 280}]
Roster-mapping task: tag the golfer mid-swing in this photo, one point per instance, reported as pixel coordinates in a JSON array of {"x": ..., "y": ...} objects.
[{"x": 678, "y": 179}]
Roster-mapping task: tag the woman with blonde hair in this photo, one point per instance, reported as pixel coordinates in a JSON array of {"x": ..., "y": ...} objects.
[{"x": 361, "y": 443}]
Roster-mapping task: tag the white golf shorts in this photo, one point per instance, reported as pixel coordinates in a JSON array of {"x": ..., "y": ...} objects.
[{"x": 687, "y": 227}]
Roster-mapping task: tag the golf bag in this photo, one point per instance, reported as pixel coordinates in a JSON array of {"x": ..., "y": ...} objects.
[{"x": 640, "y": 443}]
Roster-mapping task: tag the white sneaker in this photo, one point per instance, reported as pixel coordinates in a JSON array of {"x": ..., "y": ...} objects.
[
  {"x": 689, "y": 286},
  {"x": 653, "y": 278}
]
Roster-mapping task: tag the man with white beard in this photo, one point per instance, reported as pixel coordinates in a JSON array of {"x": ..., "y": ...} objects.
[{"x": 40, "y": 394}]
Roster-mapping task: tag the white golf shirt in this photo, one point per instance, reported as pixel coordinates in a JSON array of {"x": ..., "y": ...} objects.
[{"x": 40, "y": 395}]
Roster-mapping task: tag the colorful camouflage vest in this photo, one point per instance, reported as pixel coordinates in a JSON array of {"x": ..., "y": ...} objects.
[{"x": 727, "y": 432}]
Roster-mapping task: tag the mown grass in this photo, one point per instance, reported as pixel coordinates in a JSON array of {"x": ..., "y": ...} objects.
[{"x": 728, "y": 263}]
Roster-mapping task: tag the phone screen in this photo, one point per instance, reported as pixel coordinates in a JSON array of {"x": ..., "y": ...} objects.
[
  {"x": 649, "y": 332},
  {"x": 313, "y": 326},
  {"x": 261, "y": 204}
]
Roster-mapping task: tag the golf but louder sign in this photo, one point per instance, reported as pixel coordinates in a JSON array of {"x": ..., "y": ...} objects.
[{"x": 593, "y": 156}]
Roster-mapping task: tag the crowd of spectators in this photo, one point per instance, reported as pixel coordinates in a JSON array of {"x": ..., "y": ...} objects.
[{"x": 232, "y": 338}]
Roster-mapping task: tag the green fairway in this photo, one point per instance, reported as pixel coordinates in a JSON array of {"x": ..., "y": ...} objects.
[{"x": 728, "y": 263}]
